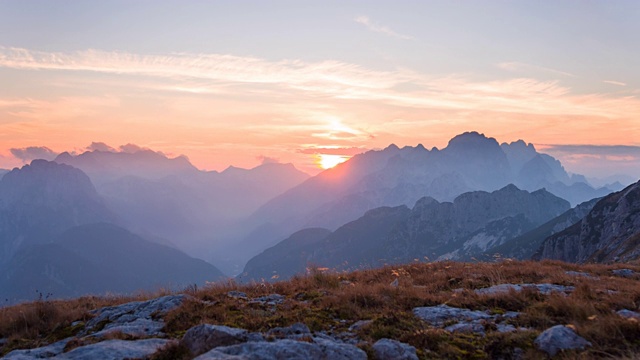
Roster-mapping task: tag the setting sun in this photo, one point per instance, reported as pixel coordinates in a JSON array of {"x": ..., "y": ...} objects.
[{"x": 327, "y": 161}]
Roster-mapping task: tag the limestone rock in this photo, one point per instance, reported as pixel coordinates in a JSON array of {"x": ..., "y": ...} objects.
[
  {"x": 628, "y": 314},
  {"x": 387, "y": 349},
  {"x": 545, "y": 289},
  {"x": 559, "y": 338},
  {"x": 202, "y": 338},
  {"x": 43, "y": 352},
  {"x": 130, "y": 316},
  {"x": 438, "y": 315},
  {"x": 286, "y": 349}
]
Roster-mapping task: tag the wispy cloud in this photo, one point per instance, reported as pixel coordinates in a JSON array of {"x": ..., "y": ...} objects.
[
  {"x": 515, "y": 66},
  {"x": 375, "y": 27},
  {"x": 614, "y": 82},
  {"x": 333, "y": 79}
]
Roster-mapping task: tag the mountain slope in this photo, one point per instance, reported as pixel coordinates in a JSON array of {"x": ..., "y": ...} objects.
[
  {"x": 389, "y": 235},
  {"x": 524, "y": 246},
  {"x": 609, "y": 232},
  {"x": 394, "y": 177},
  {"x": 97, "y": 259},
  {"x": 43, "y": 199}
]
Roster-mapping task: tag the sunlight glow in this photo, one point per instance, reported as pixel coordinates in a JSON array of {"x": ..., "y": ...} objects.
[{"x": 327, "y": 161}]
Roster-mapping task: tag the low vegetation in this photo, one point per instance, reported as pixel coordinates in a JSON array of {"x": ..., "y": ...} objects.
[{"x": 332, "y": 302}]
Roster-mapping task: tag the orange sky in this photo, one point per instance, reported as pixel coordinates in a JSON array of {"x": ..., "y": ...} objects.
[{"x": 230, "y": 101}]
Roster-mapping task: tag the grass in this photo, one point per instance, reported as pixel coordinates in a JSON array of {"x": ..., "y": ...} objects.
[{"x": 331, "y": 302}]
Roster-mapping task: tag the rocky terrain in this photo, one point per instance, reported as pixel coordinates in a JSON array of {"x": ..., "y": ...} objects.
[
  {"x": 508, "y": 310},
  {"x": 609, "y": 232}
]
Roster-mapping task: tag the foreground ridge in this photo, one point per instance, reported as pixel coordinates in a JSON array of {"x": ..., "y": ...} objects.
[{"x": 442, "y": 310}]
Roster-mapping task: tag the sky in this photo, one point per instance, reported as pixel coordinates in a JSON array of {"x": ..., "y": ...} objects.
[{"x": 311, "y": 83}]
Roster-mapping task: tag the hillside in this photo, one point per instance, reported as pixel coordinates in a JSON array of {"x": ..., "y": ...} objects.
[
  {"x": 473, "y": 224},
  {"x": 610, "y": 232},
  {"x": 99, "y": 259},
  {"x": 506, "y": 310},
  {"x": 396, "y": 176}
]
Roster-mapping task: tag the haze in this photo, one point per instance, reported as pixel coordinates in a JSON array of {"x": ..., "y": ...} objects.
[{"x": 242, "y": 83}]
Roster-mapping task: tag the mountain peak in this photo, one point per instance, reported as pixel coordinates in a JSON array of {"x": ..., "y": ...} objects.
[{"x": 470, "y": 140}]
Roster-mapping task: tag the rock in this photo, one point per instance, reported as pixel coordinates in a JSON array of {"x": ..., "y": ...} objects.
[
  {"x": 202, "y": 338},
  {"x": 136, "y": 328},
  {"x": 624, "y": 272},
  {"x": 628, "y": 314},
  {"x": 387, "y": 349},
  {"x": 272, "y": 299},
  {"x": 286, "y": 349},
  {"x": 43, "y": 352},
  {"x": 135, "y": 317},
  {"x": 545, "y": 289},
  {"x": 237, "y": 294},
  {"x": 360, "y": 324},
  {"x": 115, "y": 350},
  {"x": 438, "y": 315},
  {"x": 296, "y": 331},
  {"x": 474, "y": 327},
  {"x": 580, "y": 274},
  {"x": 395, "y": 283},
  {"x": 337, "y": 350},
  {"x": 559, "y": 338}
]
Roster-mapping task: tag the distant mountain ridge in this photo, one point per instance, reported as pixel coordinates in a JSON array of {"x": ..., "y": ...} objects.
[
  {"x": 610, "y": 232},
  {"x": 169, "y": 198},
  {"x": 400, "y": 176},
  {"x": 44, "y": 199},
  {"x": 389, "y": 235},
  {"x": 58, "y": 236}
]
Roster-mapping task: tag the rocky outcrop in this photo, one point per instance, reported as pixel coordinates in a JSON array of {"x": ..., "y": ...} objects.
[
  {"x": 609, "y": 233},
  {"x": 385, "y": 349},
  {"x": 464, "y": 320},
  {"x": 135, "y": 318},
  {"x": 560, "y": 338}
]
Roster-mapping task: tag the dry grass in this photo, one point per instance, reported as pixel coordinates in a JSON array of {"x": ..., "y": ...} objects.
[{"x": 332, "y": 302}]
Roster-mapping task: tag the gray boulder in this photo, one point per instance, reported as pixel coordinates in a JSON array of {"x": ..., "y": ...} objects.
[
  {"x": 286, "y": 349},
  {"x": 559, "y": 338},
  {"x": 628, "y": 314},
  {"x": 387, "y": 349},
  {"x": 624, "y": 272},
  {"x": 43, "y": 352},
  {"x": 202, "y": 338},
  {"x": 136, "y": 318},
  {"x": 438, "y": 315},
  {"x": 115, "y": 350},
  {"x": 545, "y": 289}
]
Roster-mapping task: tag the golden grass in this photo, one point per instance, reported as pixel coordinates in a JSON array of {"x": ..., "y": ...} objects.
[{"x": 331, "y": 302}]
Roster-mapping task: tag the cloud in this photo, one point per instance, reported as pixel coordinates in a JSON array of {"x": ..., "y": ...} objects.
[
  {"x": 100, "y": 146},
  {"x": 515, "y": 66},
  {"x": 325, "y": 81},
  {"x": 614, "y": 82},
  {"x": 267, "y": 160},
  {"x": 372, "y": 26},
  {"x": 621, "y": 152},
  {"x": 132, "y": 148},
  {"x": 33, "y": 152}
]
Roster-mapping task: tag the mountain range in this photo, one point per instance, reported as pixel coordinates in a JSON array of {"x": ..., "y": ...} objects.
[
  {"x": 473, "y": 223},
  {"x": 401, "y": 176},
  {"x": 116, "y": 221},
  {"x": 58, "y": 236}
]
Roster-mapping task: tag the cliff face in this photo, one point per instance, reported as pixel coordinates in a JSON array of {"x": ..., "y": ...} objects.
[{"x": 610, "y": 232}]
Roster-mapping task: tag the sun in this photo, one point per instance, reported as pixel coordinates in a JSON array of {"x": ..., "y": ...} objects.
[{"x": 327, "y": 161}]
